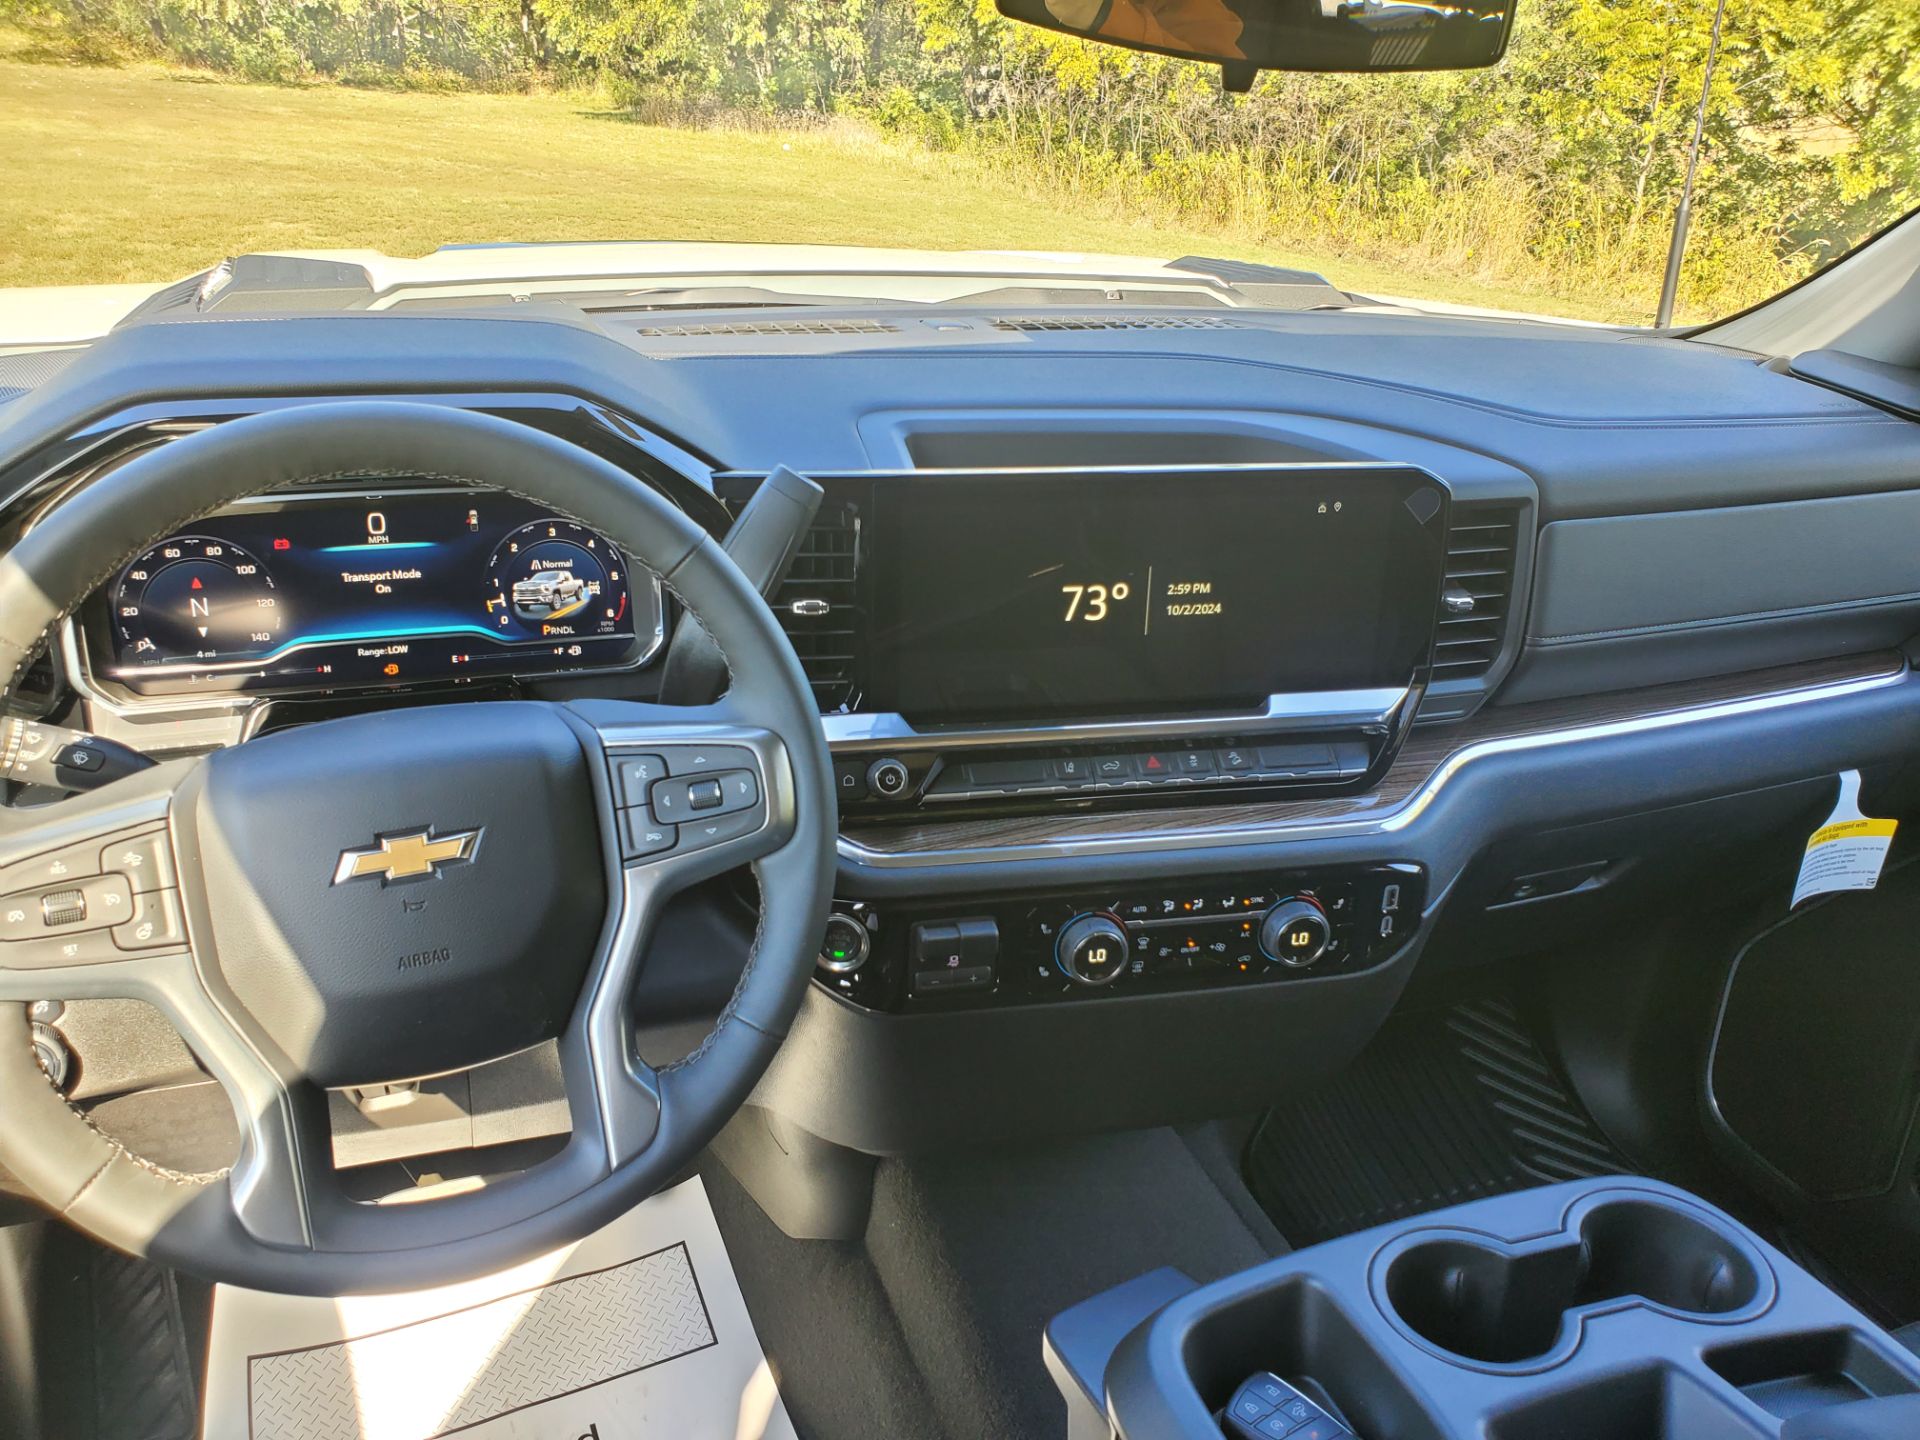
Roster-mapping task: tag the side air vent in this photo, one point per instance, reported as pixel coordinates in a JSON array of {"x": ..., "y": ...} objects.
[
  {"x": 1478, "y": 590},
  {"x": 815, "y": 604},
  {"x": 770, "y": 327},
  {"x": 1035, "y": 323}
]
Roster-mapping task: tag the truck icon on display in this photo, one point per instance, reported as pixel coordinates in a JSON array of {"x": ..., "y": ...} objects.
[{"x": 551, "y": 592}]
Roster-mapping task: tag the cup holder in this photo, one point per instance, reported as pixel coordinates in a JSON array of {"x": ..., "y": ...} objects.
[{"x": 1496, "y": 1304}]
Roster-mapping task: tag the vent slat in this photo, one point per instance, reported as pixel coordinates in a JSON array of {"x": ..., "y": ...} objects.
[
  {"x": 1481, "y": 544},
  {"x": 824, "y": 573}
]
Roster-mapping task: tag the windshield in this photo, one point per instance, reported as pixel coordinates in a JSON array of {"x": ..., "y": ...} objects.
[{"x": 145, "y": 141}]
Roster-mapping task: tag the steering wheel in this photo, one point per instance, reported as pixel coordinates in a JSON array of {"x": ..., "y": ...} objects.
[{"x": 407, "y": 893}]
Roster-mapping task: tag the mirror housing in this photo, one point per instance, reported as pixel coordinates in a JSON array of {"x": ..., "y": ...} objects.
[{"x": 1244, "y": 37}]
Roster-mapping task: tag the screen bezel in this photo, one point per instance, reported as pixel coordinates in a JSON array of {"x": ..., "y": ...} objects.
[{"x": 861, "y": 489}]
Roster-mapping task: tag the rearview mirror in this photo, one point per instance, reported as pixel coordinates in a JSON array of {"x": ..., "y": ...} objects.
[{"x": 1247, "y": 36}]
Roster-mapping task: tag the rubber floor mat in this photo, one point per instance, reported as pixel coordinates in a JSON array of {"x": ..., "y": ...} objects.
[
  {"x": 1440, "y": 1108},
  {"x": 143, "y": 1376}
]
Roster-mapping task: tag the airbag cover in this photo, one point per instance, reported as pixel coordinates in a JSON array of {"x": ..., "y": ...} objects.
[{"x": 406, "y": 893}]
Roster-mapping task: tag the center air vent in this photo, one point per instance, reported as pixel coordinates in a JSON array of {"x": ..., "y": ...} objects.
[
  {"x": 1478, "y": 590},
  {"x": 815, "y": 604},
  {"x": 1115, "y": 322}
]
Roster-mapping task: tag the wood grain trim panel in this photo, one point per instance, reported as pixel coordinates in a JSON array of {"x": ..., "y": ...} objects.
[{"x": 1420, "y": 759}]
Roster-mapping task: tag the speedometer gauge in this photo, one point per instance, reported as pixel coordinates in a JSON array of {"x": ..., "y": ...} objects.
[
  {"x": 556, "y": 580},
  {"x": 198, "y": 599}
]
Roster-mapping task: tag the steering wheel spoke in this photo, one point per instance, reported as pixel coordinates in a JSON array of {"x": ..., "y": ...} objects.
[
  {"x": 692, "y": 793},
  {"x": 94, "y": 905}
]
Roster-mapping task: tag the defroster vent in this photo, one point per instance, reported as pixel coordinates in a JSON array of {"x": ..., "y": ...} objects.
[
  {"x": 1478, "y": 591},
  {"x": 816, "y": 604}
]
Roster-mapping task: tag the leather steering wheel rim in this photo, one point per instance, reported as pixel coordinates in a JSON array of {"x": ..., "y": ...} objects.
[{"x": 199, "y": 1223}]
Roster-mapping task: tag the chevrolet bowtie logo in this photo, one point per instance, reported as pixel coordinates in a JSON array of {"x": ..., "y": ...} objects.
[{"x": 415, "y": 855}]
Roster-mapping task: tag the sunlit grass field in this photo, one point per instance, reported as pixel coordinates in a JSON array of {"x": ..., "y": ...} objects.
[{"x": 144, "y": 173}]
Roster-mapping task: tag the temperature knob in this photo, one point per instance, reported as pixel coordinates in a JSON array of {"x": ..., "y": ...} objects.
[
  {"x": 1295, "y": 932},
  {"x": 1093, "y": 949}
]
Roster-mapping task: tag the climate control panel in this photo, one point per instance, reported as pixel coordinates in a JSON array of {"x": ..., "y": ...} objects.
[{"x": 1244, "y": 930}]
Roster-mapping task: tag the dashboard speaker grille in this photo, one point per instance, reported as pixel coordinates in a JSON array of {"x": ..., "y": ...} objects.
[
  {"x": 1036, "y": 323},
  {"x": 815, "y": 604},
  {"x": 768, "y": 327},
  {"x": 1478, "y": 590}
]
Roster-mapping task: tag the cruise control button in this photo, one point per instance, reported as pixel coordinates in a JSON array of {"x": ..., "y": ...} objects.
[
  {"x": 640, "y": 835},
  {"x": 636, "y": 773},
  {"x": 146, "y": 860},
  {"x": 157, "y": 921},
  {"x": 55, "y": 867},
  {"x": 85, "y": 947},
  {"x": 718, "y": 829}
]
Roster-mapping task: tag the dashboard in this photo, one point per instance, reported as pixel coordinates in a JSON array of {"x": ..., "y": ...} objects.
[
  {"x": 1188, "y": 688},
  {"x": 409, "y": 582}
]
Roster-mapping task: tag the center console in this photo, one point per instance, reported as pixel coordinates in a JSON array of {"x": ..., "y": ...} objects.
[{"x": 1616, "y": 1309}]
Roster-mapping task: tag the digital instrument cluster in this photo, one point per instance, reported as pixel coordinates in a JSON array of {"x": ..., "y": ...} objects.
[{"x": 391, "y": 587}]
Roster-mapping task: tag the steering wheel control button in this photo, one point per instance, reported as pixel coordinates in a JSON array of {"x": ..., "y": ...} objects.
[
  {"x": 636, "y": 773},
  {"x": 63, "y": 907},
  {"x": 699, "y": 833},
  {"x": 146, "y": 860},
  {"x": 846, "y": 947},
  {"x": 156, "y": 924},
  {"x": 705, "y": 795},
  {"x": 887, "y": 778},
  {"x": 52, "y": 868},
  {"x": 699, "y": 759},
  {"x": 640, "y": 836}
]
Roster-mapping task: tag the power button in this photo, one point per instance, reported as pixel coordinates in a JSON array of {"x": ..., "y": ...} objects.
[{"x": 887, "y": 778}]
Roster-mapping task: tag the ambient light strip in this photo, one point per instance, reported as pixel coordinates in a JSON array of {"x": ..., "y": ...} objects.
[{"x": 1387, "y": 823}]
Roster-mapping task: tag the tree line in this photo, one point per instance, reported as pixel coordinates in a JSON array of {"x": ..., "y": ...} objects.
[{"x": 1560, "y": 167}]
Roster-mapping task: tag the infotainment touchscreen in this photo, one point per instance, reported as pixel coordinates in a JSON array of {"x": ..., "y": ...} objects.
[{"x": 1065, "y": 593}]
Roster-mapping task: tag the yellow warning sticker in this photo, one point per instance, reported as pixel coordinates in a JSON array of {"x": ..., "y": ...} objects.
[{"x": 1848, "y": 852}]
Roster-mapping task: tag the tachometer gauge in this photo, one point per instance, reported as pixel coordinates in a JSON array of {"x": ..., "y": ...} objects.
[
  {"x": 555, "y": 580},
  {"x": 198, "y": 600}
]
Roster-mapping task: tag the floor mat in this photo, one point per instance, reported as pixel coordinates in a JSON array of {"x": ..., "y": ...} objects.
[
  {"x": 1442, "y": 1107},
  {"x": 638, "y": 1331},
  {"x": 143, "y": 1376}
]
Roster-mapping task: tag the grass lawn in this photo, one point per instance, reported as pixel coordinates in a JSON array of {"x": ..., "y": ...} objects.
[{"x": 148, "y": 174}]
